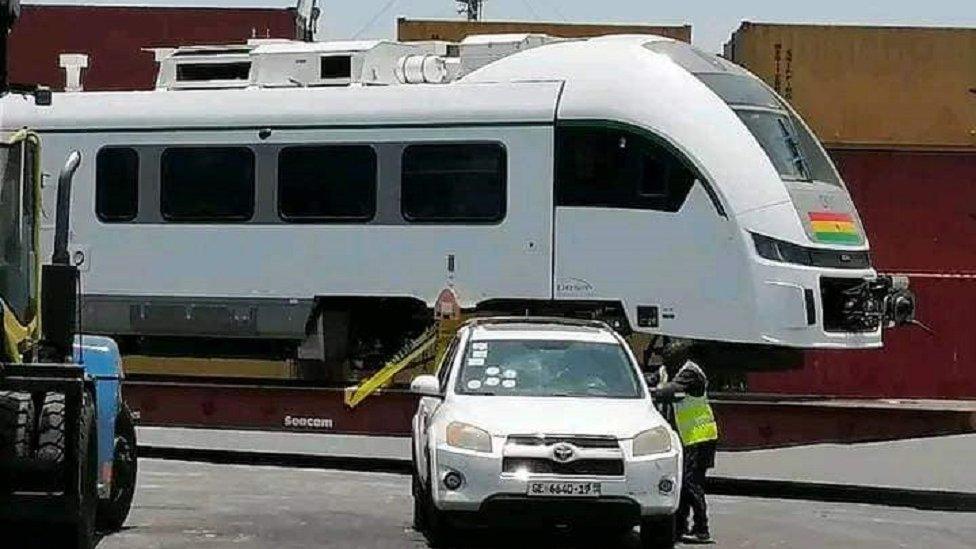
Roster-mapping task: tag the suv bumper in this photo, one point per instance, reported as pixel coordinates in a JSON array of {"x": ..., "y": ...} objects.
[{"x": 488, "y": 491}]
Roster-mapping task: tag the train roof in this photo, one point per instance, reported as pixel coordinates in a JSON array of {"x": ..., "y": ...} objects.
[
  {"x": 646, "y": 81},
  {"x": 477, "y": 103}
]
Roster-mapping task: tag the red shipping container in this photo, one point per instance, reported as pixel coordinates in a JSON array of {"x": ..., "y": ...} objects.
[
  {"x": 114, "y": 39},
  {"x": 919, "y": 209}
]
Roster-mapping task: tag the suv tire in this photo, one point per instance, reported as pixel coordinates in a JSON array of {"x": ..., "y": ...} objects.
[
  {"x": 657, "y": 532},
  {"x": 438, "y": 528}
]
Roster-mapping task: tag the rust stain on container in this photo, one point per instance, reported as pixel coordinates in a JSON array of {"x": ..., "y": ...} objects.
[
  {"x": 455, "y": 31},
  {"x": 869, "y": 86}
]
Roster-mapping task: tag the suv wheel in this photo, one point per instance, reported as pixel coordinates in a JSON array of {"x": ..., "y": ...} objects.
[
  {"x": 419, "y": 501},
  {"x": 657, "y": 532},
  {"x": 437, "y": 525}
]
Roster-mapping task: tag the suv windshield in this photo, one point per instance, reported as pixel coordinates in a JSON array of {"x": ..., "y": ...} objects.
[{"x": 547, "y": 368}]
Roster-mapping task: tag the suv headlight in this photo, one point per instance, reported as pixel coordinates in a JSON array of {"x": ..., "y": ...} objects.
[
  {"x": 468, "y": 437},
  {"x": 652, "y": 441}
]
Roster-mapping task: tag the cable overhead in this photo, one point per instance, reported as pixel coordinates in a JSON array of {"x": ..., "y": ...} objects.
[
  {"x": 535, "y": 14},
  {"x": 369, "y": 24}
]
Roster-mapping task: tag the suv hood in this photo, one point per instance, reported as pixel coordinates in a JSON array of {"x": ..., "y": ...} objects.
[{"x": 502, "y": 416}]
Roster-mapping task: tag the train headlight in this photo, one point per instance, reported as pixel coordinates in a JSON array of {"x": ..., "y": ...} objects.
[{"x": 779, "y": 250}]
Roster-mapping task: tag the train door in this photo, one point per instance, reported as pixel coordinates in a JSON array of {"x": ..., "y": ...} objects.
[{"x": 635, "y": 224}]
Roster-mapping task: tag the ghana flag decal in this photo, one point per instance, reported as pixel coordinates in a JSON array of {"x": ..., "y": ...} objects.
[{"x": 834, "y": 227}]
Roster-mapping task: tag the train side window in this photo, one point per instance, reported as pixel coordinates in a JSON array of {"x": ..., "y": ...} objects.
[
  {"x": 117, "y": 184},
  {"x": 327, "y": 183},
  {"x": 616, "y": 168},
  {"x": 207, "y": 184},
  {"x": 454, "y": 183}
]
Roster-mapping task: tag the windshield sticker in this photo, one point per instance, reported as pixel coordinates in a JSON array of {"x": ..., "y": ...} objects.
[
  {"x": 493, "y": 370},
  {"x": 474, "y": 384},
  {"x": 479, "y": 354},
  {"x": 476, "y": 362},
  {"x": 479, "y": 346},
  {"x": 508, "y": 383},
  {"x": 510, "y": 374},
  {"x": 492, "y": 382}
]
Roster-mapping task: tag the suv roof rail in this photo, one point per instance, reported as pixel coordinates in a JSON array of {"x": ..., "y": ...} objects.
[{"x": 583, "y": 323}]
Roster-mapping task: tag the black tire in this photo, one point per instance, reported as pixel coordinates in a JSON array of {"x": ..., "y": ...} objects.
[
  {"x": 113, "y": 511},
  {"x": 79, "y": 530},
  {"x": 438, "y": 528},
  {"x": 658, "y": 532},
  {"x": 16, "y": 432},
  {"x": 417, "y": 490},
  {"x": 16, "y": 425},
  {"x": 50, "y": 429}
]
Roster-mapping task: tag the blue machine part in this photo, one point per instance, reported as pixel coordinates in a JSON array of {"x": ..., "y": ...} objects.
[{"x": 100, "y": 358}]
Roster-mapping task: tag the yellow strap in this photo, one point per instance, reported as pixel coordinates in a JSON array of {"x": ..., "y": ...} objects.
[{"x": 355, "y": 395}]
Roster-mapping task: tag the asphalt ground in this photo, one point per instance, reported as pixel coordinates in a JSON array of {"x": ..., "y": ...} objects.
[{"x": 183, "y": 505}]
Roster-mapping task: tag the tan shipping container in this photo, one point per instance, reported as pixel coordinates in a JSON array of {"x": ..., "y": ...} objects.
[
  {"x": 888, "y": 87},
  {"x": 455, "y": 31}
]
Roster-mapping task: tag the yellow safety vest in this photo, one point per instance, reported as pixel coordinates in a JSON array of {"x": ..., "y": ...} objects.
[{"x": 694, "y": 416}]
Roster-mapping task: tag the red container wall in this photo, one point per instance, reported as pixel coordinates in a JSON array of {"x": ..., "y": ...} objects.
[
  {"x": 114, "y": 38},
  {"x": 919, "y": 209}
]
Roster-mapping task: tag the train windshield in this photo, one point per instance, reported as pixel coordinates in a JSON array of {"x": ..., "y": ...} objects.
[
  {"x": 791, "y": 147},
  {"x": 777, "y": 136}
]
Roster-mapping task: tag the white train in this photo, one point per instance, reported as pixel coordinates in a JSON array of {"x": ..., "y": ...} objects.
[{"x": 630, "y": 178}]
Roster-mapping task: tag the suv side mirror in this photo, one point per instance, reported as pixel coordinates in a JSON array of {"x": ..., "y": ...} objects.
[{"x": 426, "y": 385}]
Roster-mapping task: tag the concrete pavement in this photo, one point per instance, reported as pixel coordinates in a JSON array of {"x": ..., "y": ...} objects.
[{"x": 181, "y": 505}]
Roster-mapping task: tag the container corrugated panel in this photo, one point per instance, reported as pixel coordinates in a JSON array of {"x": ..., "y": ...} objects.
[
  {"x": 870, "y": 86},
  {"x": 115, "y": 37},
  {"x": 919, "y": 209},
  {"x": 455, "y": 31}
]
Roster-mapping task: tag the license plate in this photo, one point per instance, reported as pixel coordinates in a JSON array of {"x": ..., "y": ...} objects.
[{"x": 565, "y": 489}]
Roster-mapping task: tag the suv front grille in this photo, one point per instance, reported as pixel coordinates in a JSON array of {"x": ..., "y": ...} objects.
[
  {"x": 541, "y": 466},
  {"x": 579, "y": 441}
]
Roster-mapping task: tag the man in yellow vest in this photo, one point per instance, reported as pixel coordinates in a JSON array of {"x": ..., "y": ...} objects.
[{"x": 686, "y": 387}]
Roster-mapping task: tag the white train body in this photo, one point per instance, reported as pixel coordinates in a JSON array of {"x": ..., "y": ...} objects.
[{"x": 616, "y": 172}]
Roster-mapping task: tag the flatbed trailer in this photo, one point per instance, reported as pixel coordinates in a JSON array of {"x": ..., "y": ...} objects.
[{"x": 748, "y": 420}]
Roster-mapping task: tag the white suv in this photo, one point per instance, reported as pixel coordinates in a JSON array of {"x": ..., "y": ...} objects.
[{"x": 542, "y": 421}]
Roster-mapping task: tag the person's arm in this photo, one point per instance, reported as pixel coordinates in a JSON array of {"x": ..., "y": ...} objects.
[{"x": 687, "y": 382}]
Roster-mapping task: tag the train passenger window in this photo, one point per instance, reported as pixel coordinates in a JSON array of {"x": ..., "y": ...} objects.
[
  {"x": 327, "y": 183},
  {"x": 207, "y": 184},
  {"x": 117, "y": 184},
  {"x": 454, "y": 183},
  {"x": 618, "y": 168}
]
